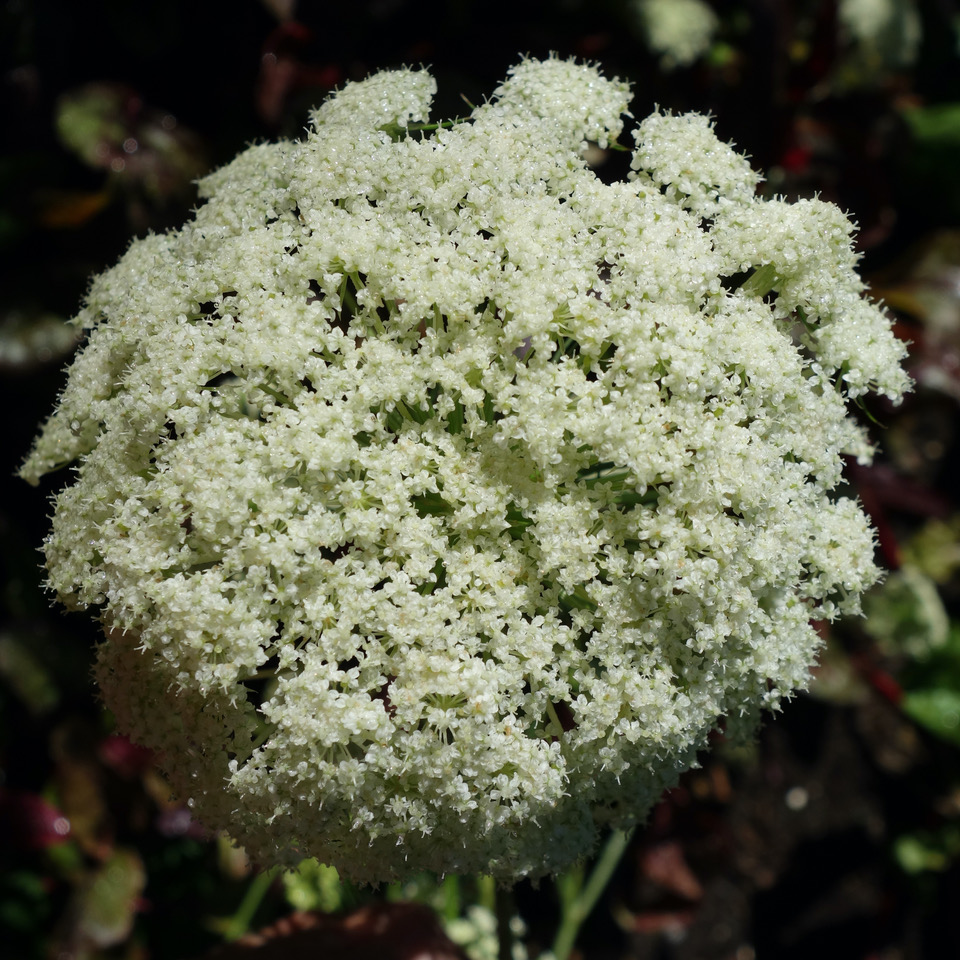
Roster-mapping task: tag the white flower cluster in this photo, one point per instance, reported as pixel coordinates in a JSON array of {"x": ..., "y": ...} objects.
[{"x": 439, "y": 499}]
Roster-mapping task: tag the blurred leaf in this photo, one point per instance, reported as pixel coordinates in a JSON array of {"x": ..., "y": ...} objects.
[
  {"x": 927, "y": 850},
  {"x": 933, "y": 159},
  {"x": 313, "y": 886},
  {"x": 835, "y": 678},
  {"x": 938, "y": 124},
  {"x": 936, "y": 549},
  {"x": 92, "y": 121},
  {"x": 107, "y": 902},
  {"x": 906, "y": 615},
  {"x": 925, "y": 282},
  {"x": 25, "y": 674},
  {"x": 66, "y": 209},
  {"x": 78, "y": 777},
  {"x": 66, "y": 860},
  {"x": 24, "y": 900},
  {"x": 915, "y": 856},
  {"x": 936, "y": 709},
  {"x": 940, "y": 670},
  {"x": 145, "y": 151}
]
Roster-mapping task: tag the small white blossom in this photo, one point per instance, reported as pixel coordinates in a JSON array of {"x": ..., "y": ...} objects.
[{"x": 438, "y": 499}]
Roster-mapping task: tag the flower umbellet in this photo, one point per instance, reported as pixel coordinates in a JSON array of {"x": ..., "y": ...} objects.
[{"x": 439, "y": 499}]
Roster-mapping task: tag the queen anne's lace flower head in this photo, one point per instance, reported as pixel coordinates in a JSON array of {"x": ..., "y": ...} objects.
[{"x": 439, "y": 499}]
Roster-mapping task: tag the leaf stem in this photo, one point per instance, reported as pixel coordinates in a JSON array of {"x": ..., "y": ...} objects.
[
  {"x": 237, "y": 925},
  {"x": 577, "y": 899}
]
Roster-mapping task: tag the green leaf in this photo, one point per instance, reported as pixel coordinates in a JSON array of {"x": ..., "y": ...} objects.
[
  {"x": 761, "y": 281},
  {"x": 108, "y": 901},
  {"x": 938, "y": 124},
  {"x": 906, "y": 614},
  {"x": 313, "y": 886},
  {"x": 926, "y": 850},
  {"x": 26, "y": 674},
  {"x": 937, "y": 710}
]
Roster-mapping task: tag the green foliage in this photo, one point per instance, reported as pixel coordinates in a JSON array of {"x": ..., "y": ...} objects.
[
  {"x": 314, "y": 886},
  {"x": 936, "y": 144},
  {"x": 928, "y": 850},
  {"x": 906, "y": 615},
  {"x": 932, "y": 689}
]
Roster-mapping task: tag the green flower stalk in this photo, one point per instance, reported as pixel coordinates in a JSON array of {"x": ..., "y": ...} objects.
[{"x": 438, "y": 499}]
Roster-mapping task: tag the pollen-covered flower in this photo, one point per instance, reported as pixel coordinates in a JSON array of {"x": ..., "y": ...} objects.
[{"x": 438, "y": 499}]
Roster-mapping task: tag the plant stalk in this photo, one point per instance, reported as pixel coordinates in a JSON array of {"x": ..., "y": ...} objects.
[{"x": 577, "y": 899}]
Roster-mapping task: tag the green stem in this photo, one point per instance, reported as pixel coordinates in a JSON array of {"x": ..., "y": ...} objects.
[
  {"x": 487, "y": 892},
  {"x": 239, "y": 923},
  {"x": 451, "y": 897},
  {"x": 578, "y": 900}
]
